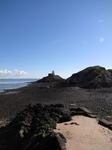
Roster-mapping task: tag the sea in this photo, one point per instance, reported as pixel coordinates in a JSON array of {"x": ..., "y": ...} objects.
[{"x": 6, "y": 84}]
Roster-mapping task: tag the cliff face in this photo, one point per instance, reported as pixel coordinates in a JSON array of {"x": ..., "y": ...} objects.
[{"x": 91, "y": 77}]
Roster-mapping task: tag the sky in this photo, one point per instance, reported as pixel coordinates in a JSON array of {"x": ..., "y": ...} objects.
[{"x": 67, "y": 36}]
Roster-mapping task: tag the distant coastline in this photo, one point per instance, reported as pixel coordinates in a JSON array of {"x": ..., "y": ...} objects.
[{"x": 6, "y": 84}]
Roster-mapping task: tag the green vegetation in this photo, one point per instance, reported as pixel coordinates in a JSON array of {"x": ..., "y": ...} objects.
[
  {"x": 46, "y": 126},
  {"x": 99, "y": 68},
  {"x": 44, "y": 135}
]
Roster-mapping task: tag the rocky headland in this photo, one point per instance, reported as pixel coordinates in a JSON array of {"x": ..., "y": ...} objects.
[{"x": 92, "y": 77}]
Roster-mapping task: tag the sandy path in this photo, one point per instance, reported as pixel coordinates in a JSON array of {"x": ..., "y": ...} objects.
[{"x": 85, "y": 134}]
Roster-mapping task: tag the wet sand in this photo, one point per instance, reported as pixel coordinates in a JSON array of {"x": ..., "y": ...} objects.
[{"x": 84, "y": 133}]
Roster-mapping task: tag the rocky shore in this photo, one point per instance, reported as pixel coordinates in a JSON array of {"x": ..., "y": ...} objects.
[
  {"x": 28, "y": 115},
  {"x": 33, "y": 128},
  {"x": 98, "y": 101}
]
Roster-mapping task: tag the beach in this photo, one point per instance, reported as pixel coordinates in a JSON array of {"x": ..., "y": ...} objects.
[{"x": 84, "y": 133}]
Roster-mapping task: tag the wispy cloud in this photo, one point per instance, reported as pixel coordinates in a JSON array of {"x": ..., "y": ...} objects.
[
  {"x": 100, "y": 21},
  {"x": 101, "y": 39},
  {"x": 12, "y": 73}
]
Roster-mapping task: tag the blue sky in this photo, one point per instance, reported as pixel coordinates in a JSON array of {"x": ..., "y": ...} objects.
[{"x": 39, "y": 36}]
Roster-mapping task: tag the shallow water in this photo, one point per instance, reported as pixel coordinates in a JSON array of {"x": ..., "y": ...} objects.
[{"x": 14, "y": 83}]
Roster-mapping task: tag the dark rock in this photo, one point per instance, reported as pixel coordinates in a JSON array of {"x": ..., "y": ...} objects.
[
  {"x": 60, "y": 144},
  {"x": 110, "y": 127},
  {"x": 73, "y": 113},
  {"x": 105, "y": 123},
  {"x": 73, "y": 109},
  {"x": 92, "y": 115},
  {"x": 65, "y": 118},
  {"x": 63, "y": 137},
  {"x": 88, "y": 112},
  {"x": 51, "y": 79},
  {"x": 76, "y": 111},
  {"x": 74, "y": 123},
  {"x": 32, "y": 129},
  {"x": 91, "y": 77},
  {"x": 59, "y": 105}
]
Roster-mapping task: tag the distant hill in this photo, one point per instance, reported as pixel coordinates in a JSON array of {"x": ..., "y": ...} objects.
[
  {"x": 51, "y": 79},
  {"x": 91, "y": 77}
]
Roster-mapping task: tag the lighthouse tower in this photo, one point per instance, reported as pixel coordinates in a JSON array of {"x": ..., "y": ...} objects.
[{"x": 51, "y": 74}]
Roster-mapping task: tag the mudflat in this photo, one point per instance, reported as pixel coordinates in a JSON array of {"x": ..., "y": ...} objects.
[{"x": 12, "y": 102}]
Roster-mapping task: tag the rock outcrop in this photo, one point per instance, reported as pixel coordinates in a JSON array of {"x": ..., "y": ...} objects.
[
  {"x": 51, "y": 79},
  {"x": 91, "y": 77},
  {"x": 32, "y": 129}
]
